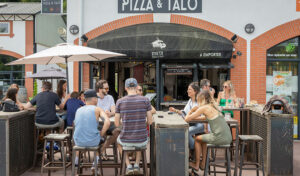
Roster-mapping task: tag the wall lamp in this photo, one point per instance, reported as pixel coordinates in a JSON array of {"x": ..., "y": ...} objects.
[
  {"x": 234, "y": 38},
  {"x": 84, "y": 38}
]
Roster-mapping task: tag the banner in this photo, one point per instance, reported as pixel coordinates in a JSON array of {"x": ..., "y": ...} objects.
[
  {"x": 281, "y": 83},
  {"x": 159, "y": 6}
]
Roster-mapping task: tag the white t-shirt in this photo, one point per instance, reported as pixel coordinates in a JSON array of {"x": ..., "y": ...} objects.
[
  {"x": 106, "y": 103},
  {"x": 190, "y": 104}
]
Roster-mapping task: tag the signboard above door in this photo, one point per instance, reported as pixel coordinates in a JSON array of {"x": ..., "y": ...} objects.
[
  {"x": 159, "y": 6},
  {"x": 52, "y": 6}
]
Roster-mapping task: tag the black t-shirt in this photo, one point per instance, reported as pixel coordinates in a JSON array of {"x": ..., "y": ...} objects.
[{"x": 45, "y": 107}]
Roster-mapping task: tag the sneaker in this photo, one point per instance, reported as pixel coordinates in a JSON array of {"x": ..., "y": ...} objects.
[
  {"x": 136, "y": 170},
  {"x": 55, "y": 146},
  {"x": 48, "y": 146},
  {"x": 76, "y": 161},
  {"x": 129, "y": 171}
]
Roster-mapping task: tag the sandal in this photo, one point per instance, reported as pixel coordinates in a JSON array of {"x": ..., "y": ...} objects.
[
  {"x": 104, "y": 157},
  {"x": 195, "y": 172}
]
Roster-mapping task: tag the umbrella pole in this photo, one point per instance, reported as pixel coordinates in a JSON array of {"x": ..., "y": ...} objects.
[{"x": 66, "y": 59}]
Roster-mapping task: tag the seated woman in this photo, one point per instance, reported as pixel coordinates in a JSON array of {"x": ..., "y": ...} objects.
[
  {"x": 220, "y": 132},
  {"x": 16, "y": 86},
  {"x": 227, "y": 96},
  {"x": 11, "y": 98}
]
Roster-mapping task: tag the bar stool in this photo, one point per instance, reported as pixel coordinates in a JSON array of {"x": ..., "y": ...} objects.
[
  {"x": 114, "y": 155},
  {"x": 258, "y": 150},
  {"x": 51, "y": 164},
  {"x": 40, "y": 128},
  {"x": 80, "y": 165},
  {"x": 208, "y": 163},
  {"x": 134, "y": 149}
]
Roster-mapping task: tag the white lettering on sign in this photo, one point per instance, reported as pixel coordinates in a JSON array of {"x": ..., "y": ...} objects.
[
  {"x": 210, "y": 55},
  {"x": 160, "y": 6}
]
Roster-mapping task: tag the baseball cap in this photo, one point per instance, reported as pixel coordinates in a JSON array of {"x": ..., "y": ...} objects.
[
  {"x": 90, "y": 93},
  {"x": 131, "y": 82}
]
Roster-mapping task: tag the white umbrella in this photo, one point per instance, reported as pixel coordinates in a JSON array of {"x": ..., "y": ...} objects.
[
  {"x": 49, "y": 73},
  {"x": 64, "y": 53}
]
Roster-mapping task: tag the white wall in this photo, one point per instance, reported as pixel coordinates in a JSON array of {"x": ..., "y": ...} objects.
[
  {"x": 230, "y": 14},
  {"x": 17, "y": 43}
]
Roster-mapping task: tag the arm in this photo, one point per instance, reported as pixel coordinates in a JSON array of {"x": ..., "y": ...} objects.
[
  {"x": 117, "y": 120},
  {"x": 153, "y": 110},
  {"x": 28, "y": 106},
  {"x": 21, "y": 107},
  {"x": 175, "y": 110},
  {"x": 62, "y": 105},
  {"x": 149, "y": 118},
  {"x": 100, "y": 113},
  {"x": 196, "y": 115},
  {"x": 193, "y": 110},
  {"x": 112, "y": 111}
]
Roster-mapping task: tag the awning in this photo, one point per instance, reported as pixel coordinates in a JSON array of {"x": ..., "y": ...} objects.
[
  {"x": 215, "y": 66},
  {"x": 164, "y": 41}
]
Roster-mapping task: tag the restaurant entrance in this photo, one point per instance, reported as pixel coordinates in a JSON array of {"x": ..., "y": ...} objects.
[{"x": 165, "y": 58}]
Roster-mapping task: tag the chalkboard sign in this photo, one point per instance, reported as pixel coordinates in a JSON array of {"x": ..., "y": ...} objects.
[
  {"x": 52, "y": 6},
  {"x": 179, "y": 71}
]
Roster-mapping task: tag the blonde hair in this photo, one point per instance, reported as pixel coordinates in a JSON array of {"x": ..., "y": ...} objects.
[
  {"x": 205, "y": 98},
  {"x": 231, "y": 91}
]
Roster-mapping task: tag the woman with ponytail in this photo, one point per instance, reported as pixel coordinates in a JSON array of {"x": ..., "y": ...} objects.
[{"x": 220, "y": 132}]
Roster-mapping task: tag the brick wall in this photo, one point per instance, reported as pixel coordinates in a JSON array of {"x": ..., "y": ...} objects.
[{"x": 258, "y": 55}]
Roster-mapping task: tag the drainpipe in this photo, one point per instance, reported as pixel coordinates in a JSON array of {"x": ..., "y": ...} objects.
[
  {"x": 80, "y": 41},
  {"x": 248, "y": 71}
]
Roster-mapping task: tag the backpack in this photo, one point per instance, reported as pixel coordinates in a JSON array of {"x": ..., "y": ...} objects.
[{"x": 9, "y": 106}]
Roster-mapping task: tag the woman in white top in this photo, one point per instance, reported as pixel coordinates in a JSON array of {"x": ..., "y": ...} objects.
[{"x": 195, "y": 128}]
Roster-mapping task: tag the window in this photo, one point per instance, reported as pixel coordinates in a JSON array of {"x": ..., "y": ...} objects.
[{"x": 4, "y": 28}]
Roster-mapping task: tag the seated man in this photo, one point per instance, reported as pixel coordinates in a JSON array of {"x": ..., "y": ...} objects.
[
  {"x": 46, "y": 102},
  {"x": 134, "y": 111},
  {"x": 86, "y": 122}
]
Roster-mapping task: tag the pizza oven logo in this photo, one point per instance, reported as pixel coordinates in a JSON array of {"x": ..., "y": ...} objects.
[
  {"x": 158, "y": 44},
  {"x": 279, "y": 80}
]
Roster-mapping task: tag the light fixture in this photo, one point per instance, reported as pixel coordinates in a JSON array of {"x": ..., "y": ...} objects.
[
  {"x": 234, "y": 38},
  {"x": 84, "y": 38},
  {"x": 234, "y": 56},
  {"x": 74, "y": 29},
  {"x": 249, "y": 28},
  {"x": 239, "y": 53}
]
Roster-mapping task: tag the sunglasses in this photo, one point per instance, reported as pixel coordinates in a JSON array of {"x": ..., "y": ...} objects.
[
  {"x": 140, "y": 90},
  {"x": 225, "y": 86},
  {"x": 106, "y": 88}
]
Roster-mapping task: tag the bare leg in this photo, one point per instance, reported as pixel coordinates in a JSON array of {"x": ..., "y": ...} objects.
[
  {"x": 204, "y": 151},
  {"x": 127, "y": 160},
  {"x": 138, "y": 158},
  {"x": 198, "y": 151},
  {"x": 111, "y": 139}
]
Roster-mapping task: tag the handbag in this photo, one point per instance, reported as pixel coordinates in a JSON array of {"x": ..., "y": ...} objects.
[{"x": 10, "y": 106}]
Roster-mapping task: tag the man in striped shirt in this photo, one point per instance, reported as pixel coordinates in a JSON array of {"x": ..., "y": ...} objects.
[{"x": 135, "y": 113}]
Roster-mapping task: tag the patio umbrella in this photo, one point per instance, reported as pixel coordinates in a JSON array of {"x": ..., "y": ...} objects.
[
  {"x": 64, "y": 53},
  {"x": 49, "y": 73}
]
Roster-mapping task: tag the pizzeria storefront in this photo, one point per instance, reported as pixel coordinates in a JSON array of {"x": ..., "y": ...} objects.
[{"x": 170, "y": 43}]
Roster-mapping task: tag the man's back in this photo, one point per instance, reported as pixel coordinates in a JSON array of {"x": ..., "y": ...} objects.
[
  {"x": 86, "y": 127},
  {"x": 133, "y": 112},
  {"x": 45, "y": 107}
]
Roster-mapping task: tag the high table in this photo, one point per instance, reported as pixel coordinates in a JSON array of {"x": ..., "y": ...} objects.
[
  {"x": 169, "y": 145},
  {"x": 244, "y": 118},
  {"x": 17, "y": 142}
]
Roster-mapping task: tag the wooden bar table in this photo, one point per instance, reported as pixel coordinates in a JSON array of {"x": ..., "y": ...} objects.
[
  {"x": 244, "y": 118},
  {"x": 169, "y": 145}
]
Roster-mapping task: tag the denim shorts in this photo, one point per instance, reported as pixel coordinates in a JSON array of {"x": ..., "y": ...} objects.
[{"x": 126, "y": 144}]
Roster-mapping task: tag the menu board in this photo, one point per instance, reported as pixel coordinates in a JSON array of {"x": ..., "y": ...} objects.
[
  {"x": 282, "y": 81},
  {"x": 52, "y": 6}
]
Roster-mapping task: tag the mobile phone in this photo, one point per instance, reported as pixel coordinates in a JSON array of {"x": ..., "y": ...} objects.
[
  {"x": 170, "y": 112},
  {"x": 160, "y": 116}
]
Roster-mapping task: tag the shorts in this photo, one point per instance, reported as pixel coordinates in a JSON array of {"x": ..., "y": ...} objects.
[
  {"x": 138, "y": 145},
  {"x": 60, "y": 123}
]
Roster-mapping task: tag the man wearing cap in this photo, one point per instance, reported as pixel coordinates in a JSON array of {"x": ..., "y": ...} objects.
[
  {"x": 86, "y": 122},
  {"x": 134, "y": 111}
]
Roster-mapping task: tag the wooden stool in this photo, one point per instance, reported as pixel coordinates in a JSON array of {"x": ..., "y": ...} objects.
[
  {"x": 114, "y": 155},
  {"x": 39, "y": 128},
  {"x": 134, "y": 149},
  {"x": 86, "y": 149},
  {"x": 51, "y": 165},
  {"x": 258, "y": 151},
  {"x": 208, "y": 163}
]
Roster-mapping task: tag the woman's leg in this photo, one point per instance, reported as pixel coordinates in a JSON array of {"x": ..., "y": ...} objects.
[
  {"x": 198, "y": 151},
  {"x": 204, "y": 152},
  {"x": 196, "y": 129}
]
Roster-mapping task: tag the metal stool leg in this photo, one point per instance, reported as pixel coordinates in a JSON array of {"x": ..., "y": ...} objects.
[
  {"x": 43, "y": 158},
  {"x": 96, "y": 163},
  {"x": 228, "y": 162},
  {"x": 73, "y": 162},
  {"x": 35, "y": 146},
  {"x": 122, "y": 170},
  {"x": 207, "y": 161},
  {"x": 144, "y": 163},
  {"x": 115, "y": 153},
  {"x": 257, "y": 156},
  {"x": 242, "y": 157},
  {"x": 62, "y": 146}
]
